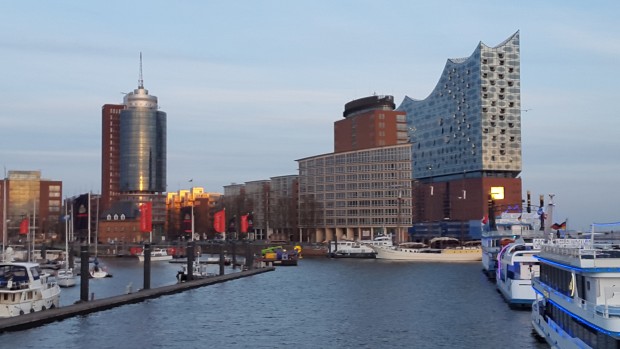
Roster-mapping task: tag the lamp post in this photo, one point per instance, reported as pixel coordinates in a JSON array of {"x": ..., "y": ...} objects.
[
  {"x": 398, "y": 223},
  {"x": 4, "y": 221}
]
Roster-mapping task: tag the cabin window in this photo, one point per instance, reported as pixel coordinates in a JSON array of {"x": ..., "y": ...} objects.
[{"x": 588, "y": 285}]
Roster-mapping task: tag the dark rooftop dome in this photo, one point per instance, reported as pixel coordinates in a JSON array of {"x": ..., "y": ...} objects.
[{"x": 369, "y": 103}]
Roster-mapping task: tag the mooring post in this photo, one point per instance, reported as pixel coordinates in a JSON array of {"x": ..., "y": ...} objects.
[
  {"x": 249, "y": 256},
  {"x": 147, "y": 266},
  {"x": 234, "y": 253},
  {"x": 222, "y": 255},
  {"x": 84, "y": 274}
]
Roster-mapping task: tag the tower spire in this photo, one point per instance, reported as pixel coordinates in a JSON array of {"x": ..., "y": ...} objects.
[{"x": 140, "y": 81}]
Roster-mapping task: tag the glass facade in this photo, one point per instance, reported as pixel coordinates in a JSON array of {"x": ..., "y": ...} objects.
[
  {"x": 471, "y": 122},
  {"x": 142, "y": 144}
]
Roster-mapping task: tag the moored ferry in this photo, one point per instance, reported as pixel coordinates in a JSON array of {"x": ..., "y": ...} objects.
[
  {"x": 509, "y": 227},
  {"x": 578, "y": 294},
  {"x": 516, "y": 267}
]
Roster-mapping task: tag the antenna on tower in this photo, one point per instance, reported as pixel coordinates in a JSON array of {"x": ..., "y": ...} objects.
[{"x": 140, "y": 81}]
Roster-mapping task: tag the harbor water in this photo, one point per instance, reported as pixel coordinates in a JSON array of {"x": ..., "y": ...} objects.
[{"x": 322, "y": 303}]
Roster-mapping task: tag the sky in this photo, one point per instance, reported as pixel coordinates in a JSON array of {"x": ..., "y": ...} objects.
[{"x": 251, "y": 86}]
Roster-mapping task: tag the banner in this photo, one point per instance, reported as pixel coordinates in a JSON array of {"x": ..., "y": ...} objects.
[
  {"x": 80, "y": 212},
  {"x": 146, "y": 217},
  {"x": 244, "y": 223},
  {"x": 24, "y": 226},
  {"x": 219, "y": 221}
]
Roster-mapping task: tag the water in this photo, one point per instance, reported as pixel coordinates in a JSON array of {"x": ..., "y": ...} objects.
[{"x": 322, "y": 303}]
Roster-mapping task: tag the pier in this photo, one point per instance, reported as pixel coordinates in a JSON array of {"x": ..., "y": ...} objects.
[{"x": 36, "y": 319}]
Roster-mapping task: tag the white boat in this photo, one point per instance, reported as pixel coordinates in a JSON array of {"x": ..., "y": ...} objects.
[
  {"x": 97, "y": 271},
  {"x": 157, "y": 254},
  {"x": 509, "y": 227},
  {"x": 66, "y": 278},
  {"x": 357, "y": 249},
  {"x": 516, "y": 268},
  {"x": 578, "y": 294},
  {"x": 349, "y": 249},
  {"x": 25, "y": 289},
  {"x": 415, "y": 251},
  {"x": 199, "y": 271}
]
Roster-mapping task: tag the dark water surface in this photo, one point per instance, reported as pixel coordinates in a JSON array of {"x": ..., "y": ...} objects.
[{"x": 321, "y": 303}]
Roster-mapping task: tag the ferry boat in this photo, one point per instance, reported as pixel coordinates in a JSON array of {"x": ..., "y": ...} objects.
[
  {"x": 516, "y": 267},
  {"x": 157, "y": 254},
  {"x": 357, "y": 249},
  {"x": 416, "y": 251},
  {"x": 578, "y": 294},
  {"x": 509, "y": 227},
  {"x": 25, "y": 289}
]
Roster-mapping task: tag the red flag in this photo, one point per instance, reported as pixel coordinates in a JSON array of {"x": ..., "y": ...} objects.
[
  {"x": 146, "y": 217},
  {"x": 219, "y": 221},
  {"x": 24, "y": 226},
  {"x": 244, "y": 223},
  {"x": 485, "y": 219}
]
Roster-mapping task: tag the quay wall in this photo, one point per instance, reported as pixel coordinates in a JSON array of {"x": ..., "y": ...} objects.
[{"x": 36, "y": 319}]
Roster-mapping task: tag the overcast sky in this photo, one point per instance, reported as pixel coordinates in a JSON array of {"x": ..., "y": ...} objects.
[{"x": 251, "y": 86}]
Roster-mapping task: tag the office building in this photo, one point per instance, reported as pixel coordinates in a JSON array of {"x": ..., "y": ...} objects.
[
  {"x": 39, "y": 200},
  {"x": 110, "y": 153},
  {"x": 363, "y": 189}
]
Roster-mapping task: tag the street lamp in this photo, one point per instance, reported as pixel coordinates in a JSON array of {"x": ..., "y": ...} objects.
[{"x": 400, "y": 199}]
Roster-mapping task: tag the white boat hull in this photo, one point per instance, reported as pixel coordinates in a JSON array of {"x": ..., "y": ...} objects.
[
  {"x": 66, "y": 278},
  {"x": 447, "y": 255},
  {"x": 517, "y": 292},
  {"x": 25, "y": 294},
  {"x": 553, "y": 334},
  {"x": 155, "y": 258}
]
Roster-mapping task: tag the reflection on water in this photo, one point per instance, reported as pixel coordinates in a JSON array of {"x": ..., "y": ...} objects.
[{"x": 319, "y": 304}]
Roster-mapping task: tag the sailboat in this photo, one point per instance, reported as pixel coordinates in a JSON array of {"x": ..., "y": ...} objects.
[
  {"x": 97, "y": 271},
  {"x": 65, "y": 276}
]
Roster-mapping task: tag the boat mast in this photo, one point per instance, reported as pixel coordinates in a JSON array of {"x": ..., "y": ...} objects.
[
  {"x": 4, "y": 235},
  {"x": 89, "y": 222},
  {"x": 66, "y": 236}
]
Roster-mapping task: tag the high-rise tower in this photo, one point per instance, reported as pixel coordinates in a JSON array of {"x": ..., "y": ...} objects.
[
  {"x": 134, "y": 152},
  {"x": 142, "y": 143}
]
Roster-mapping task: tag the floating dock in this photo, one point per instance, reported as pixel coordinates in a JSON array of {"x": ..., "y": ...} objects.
[{"x": 39, "y": 318}]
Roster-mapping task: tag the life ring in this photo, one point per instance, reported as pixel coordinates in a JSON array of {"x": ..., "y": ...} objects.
[
  {"x": 43, "y": 308},
  {"x": 21, "y": 312},
  {"x": 31, "y": 310}
]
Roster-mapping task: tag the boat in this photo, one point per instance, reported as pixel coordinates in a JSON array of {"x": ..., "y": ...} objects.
[
  {"x": 417, "y": 251},
  {"x": 97, "y": 271},
  {"x": 578, "y": 293},
  {"x": 357, "y": 249},
  {"x": 199, "y": 271},
  {"x": 157, "y": 254},
  {"x": 277, "y": 255},
  {"x": 24, "y": 288},
  {"x": 516, "y": 267},
  {"x": 65, "y": 276},
  {"x": 509, "y": 227}
]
